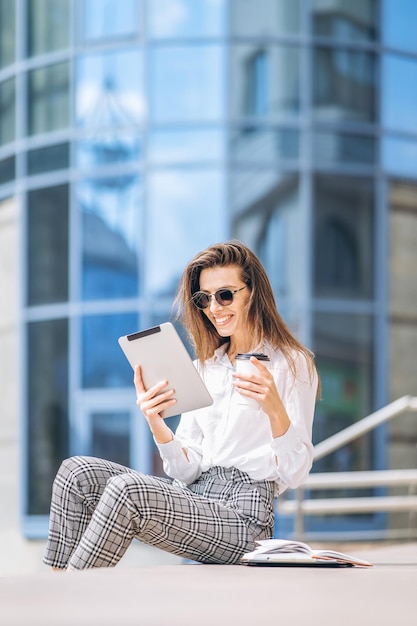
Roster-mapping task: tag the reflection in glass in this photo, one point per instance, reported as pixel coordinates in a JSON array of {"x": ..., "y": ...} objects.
[
  {"x": 110, "y": 436},
  {"x": 47, "y": 245},
  {"x": 48, "y": 99},
  {"x": 343, "y": 238},
  {"x": 186, "y": 146},
  {"x": 344, "y": 85},
  {"x": 264, "y": 18},
  {"x": 47, "y": 409},
  {"x": 107, "y": 148},
  {"x": 267, "y": 217},
  {"x": 186, "y": 18},
  {"x": 110, "y": 210},
  {"x": 7, "y": 32},
  {"x": 345, "y": 20},
  {"x": 343, "y": 344},
  {"x": 343, "y": 148},
  {"x": 265, "y": 81},
  {"x": 109, "y": 19},
  {"x": 186, "y": 83},
  {"x": 7, "y": 169},
  {"x": 399, "y": 93},
  {"x": 48, "y": 25},
  {"x": 7, "y": 111},
  {"x": 399, "y": 24},
  {"x": 255, "y": 144},
  {"x": 48, "y": 159},
  {"x": 103, "y": 362},
  {"x": 399, "y": 156},
  {"x": 109, "y": 90},
  {"x": 185, "y": 214}
]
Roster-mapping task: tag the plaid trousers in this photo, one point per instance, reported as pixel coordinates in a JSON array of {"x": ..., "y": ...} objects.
[{"x": 98, "y": 507}]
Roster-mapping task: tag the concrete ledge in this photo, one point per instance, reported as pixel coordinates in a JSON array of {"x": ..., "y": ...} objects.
[{"x": 201, "y": 595}]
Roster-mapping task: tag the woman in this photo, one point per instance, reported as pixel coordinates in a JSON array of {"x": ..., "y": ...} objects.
[{"x": 226, "y": 461}]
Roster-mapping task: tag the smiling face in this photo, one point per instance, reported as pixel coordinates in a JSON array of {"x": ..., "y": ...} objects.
[{"x": 229, "y": 321}]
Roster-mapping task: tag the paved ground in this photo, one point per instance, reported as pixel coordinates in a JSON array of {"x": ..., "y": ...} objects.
[{"x": 201, "y": 595}]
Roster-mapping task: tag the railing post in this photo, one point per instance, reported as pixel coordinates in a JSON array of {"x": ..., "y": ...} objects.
[{"x": 299, "y": 514}]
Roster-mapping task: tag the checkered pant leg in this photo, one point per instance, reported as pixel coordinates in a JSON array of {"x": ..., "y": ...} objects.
[
  {"x": 214, "y": 521},
  {"x": 76, "y": 491}
]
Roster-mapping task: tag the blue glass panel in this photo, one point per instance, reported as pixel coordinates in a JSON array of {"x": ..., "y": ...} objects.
[
  {"x": 186, "y": 146},
  {"x": 107, "y": 148},
  {"x": 103, "y": 362},
  {"x": 256, "y": 144},
  {"x": 7, "y": 111},
  {"x": 109, "y": 90},
  {"x": 110, "y": 436},
  {"x": 107, "y": 19},
  {"x": 343, "y": 148},
  {"x": 265, "y": 81},
  {"x": 263, "y": 18},
  {"x": 187, "y": 83},
  {"x": 344, "y": 85},
  {"x": 48, "y": 98},
  {"x": 399, "y": 93},
  {"x": 399, "y": 156},
  {"x": 7, "y": 32},
  {"x": 110, "y": 210},
  {"x": 186, "y": 18},
  {"x": 399, "y": 21},
  {"x": 186, "y": 213},
  {"x": 345, "y": 20}
]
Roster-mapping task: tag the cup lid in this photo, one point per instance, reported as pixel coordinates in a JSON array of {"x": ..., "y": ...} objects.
[{"x": 247, "y": 355}]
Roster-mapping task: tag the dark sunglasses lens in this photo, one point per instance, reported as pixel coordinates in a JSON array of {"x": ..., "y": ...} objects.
[
  {"x": 224, "y": 297},
  {"x": 201, "y": 300}
]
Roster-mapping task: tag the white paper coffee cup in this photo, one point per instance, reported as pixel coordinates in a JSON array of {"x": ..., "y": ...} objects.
[{"x": 244, "y": 366}]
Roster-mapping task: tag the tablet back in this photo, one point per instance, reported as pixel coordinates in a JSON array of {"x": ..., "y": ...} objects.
[{"x": 162, "y": 356}]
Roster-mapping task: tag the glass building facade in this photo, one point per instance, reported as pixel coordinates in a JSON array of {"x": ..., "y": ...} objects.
[{"x": 134, "y": 133}]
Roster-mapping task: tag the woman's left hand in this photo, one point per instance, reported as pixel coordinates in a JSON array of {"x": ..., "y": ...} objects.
[{"x": 261, "y": 387}]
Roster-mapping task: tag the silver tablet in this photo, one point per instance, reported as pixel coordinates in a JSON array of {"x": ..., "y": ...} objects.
[{"x": 162, "y": 356}]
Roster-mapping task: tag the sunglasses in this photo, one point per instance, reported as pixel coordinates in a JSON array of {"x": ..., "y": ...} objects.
[{"x": 223, "y": 296}]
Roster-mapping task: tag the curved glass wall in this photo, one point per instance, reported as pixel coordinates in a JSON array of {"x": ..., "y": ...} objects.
[{"x": 144, "y": 130}]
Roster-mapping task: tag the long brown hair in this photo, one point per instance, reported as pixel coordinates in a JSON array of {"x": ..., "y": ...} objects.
[{"x": 264, "y": 321}]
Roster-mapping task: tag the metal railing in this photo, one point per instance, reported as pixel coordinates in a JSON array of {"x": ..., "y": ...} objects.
[{"x": 303, "y": 505}]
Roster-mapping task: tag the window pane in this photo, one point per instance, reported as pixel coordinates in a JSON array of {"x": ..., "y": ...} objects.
[
  {"x": 265, "y": 81},
  {"x": 103, "y": 362},
  {"x": 7, "y": 170},
  {"x": 110, "y": 436},
  {"x": 264, "y": 18},
  {"x": 399, "y": 26},
  {"x": 48, "y": 99},
  {"x": 109, "y": 90},
  {"x": 185, "y": 214},
  {"x": 7, "y": 32},
  {"x": 186, "y": 18},
  {"x": 345, "y": 20},
  {"x": 343, "y": 239},
  {"x": 186, "y": 146},
  {"x": 7, "y": 111},
  {"x": 344, "y": 85},
  {"x": 399, "y": 93},
  {"x": 343, "y": 345},
  {"x": 47, "y": 245},
  {"x": 331, "y": 148},
  {"x": 47, "y": 409},
  {"x": 186, "y": 83},
  {"x": 255, "y": 144},
  {"x": 267, "y": 217},
  {"x": 48, "y": 159},
  {"x": 399, "y": 156},
  {"x": 106, "y": 148},
  {"x": 110, "y": 209},
  {"x": 48, "y": 25},
  {"x": 110, "y": 19}
]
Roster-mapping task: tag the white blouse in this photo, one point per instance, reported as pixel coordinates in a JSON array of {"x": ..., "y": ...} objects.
[{"x": 229, "y": 434}]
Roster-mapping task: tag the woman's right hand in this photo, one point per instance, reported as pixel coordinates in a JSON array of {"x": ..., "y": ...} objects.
[{"x": 152, "y": 402}]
